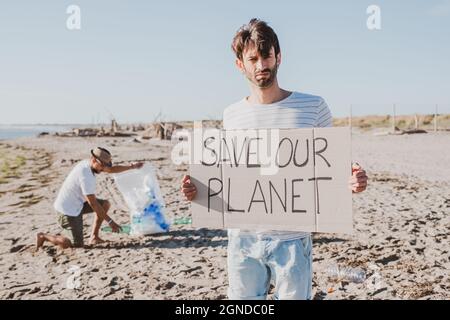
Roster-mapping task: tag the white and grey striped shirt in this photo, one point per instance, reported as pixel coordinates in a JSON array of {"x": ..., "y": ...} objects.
[{"x": 298, "y": 110}]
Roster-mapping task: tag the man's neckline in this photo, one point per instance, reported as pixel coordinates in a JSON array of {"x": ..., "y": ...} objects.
[
  {"x": 92, "y": 170},
  {"x": 268, "y": 104}
]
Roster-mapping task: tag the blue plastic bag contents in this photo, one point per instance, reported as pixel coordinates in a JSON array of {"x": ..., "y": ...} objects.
[{"x": 142, "y": 195}]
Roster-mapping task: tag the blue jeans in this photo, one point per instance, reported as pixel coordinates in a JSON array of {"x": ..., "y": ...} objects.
[{"x": 253, "y": 263}]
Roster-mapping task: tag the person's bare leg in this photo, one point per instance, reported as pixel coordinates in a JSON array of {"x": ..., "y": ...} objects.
[
  {"x": 60, "y": 241},
  {"x": 95, "y": 238}
]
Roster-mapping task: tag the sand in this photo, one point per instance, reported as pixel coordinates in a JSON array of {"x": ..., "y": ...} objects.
[{"x": 401, "y": 227}]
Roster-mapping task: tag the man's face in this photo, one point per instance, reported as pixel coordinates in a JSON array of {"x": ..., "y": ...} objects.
[
  {"x": 97, "y": 165},
  {"x": 261, "y": 71}
]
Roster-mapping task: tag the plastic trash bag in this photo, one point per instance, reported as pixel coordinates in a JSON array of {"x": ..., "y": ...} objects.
[{"x": 142, "y": 195}]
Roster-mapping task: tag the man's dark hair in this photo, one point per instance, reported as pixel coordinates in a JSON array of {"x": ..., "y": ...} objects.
[{"x": 258, "y": 33}]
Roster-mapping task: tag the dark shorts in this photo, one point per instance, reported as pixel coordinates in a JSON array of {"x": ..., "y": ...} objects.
[{"x": 73, "y": 226}]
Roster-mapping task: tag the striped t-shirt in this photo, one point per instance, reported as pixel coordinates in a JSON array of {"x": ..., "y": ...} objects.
[{"x": 298, "y": 110}]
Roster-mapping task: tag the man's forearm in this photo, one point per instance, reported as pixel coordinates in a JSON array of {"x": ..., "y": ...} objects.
[{"x": 118, "y": 169}]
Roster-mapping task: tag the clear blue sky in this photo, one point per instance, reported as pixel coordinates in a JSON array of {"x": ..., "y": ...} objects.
[{"x": 135, "y": 58}]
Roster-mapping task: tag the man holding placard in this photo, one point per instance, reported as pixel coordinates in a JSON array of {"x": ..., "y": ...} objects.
[{"x": 255, "y": 257}]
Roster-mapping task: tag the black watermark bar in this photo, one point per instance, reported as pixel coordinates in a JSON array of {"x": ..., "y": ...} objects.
[{"x": 211, "y": 309}]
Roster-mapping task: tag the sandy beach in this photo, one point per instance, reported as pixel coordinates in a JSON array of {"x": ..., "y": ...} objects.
[{"x": 401, "y": 223}]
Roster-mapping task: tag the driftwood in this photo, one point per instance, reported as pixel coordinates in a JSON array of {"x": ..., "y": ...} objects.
[
  {"x": 88, "y": 132},
  {"x": 94, "y": 132},
  {"x": 161, "y": 130},
  {"x": 122, "y": 134},
  {"x": 412, "y": 131},
  {"x": 400, "y": 132},
  {"x": 147, "y": 134}
]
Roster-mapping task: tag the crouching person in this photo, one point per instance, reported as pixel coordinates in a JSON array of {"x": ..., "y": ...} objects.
[{"x": 77, "y": 198}]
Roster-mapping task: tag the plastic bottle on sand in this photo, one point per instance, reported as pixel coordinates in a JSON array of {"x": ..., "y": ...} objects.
[{"x": 356, "y": 275}]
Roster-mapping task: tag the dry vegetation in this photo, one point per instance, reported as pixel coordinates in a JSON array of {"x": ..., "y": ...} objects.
[{"x": 402, "y": 122}]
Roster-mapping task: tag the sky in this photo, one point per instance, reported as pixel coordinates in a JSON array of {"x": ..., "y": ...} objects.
[{"x": 133, "y": 60}]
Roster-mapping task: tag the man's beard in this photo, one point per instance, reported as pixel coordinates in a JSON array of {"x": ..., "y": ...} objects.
[
  {"x": 266, "y": 81},
  {"x": 95, "y": 171}
]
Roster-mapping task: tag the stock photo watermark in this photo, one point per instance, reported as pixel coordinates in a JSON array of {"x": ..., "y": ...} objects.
[
  {"x": 73, "y": 21},
  {"x": 73, "y": 281},
  {"x": 374, "y": 19},
  {"x": 375, "y": 281}
]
